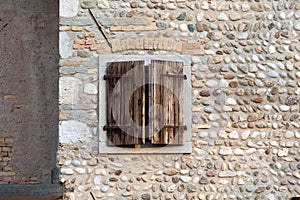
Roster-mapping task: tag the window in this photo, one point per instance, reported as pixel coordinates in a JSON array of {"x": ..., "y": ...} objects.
[{"x": 147, "y": 104}]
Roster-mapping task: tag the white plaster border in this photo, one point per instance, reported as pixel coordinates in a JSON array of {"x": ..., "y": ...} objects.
[{"x": 186, "y": 147}]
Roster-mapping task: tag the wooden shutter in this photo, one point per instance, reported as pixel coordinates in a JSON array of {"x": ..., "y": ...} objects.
[
  {"x": 167, "y": 119},
  {"x": 121, "y": 110}
]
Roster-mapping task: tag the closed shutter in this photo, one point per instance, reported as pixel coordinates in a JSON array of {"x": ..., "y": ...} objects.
[
  {"x": 124, "y": 111},
  {"x": 167, "y": 102}
]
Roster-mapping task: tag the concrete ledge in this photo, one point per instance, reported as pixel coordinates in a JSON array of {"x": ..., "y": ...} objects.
[{"x": 31, "y": 191}]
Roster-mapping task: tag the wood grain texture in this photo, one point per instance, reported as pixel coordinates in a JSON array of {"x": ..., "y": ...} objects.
[
  {"x": 122, "y": 109},
  {"x": 167, "y": 102}
]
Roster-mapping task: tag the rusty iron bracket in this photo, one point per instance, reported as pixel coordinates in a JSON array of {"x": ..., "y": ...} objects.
[
  {"x": 100, "y": 28},
  {"x": 110, "y": 127},
  {"x": 112, "y": 76}
]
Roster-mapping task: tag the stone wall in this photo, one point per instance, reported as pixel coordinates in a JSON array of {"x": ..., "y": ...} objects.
[{"x": 245, "y": 108}]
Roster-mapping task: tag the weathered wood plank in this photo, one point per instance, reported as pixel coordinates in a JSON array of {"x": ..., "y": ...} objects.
[
  {"x": 120, "y": 108},
  {"x": 168, "y": 94}
]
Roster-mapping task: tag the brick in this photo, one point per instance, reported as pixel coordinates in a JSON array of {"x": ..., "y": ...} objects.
[
  {"x": 138, "y": 28},
  {"x": 140, "y": 44},
  {"x": 70, "y": 62},
  {"x": 9, "y": 140},
  {"x": 3, "y": 154},
  {"x": 177, "y": 46},
  {"x": 7, "y": 168},
  {"x": 90, "y": 35},
  {"x": 194, "y": 52},
  {"x": 10, "y": 96},
  {"x": 6, "y": 159},
  {"x": 123, "y": 21},
  {"x": 116, "y": 46},
  {"x": 165, "y": 44},
  {"x": 127, "y": 28},
  {"x": 93, "y": 48},
  {"x": 126, "y": 43},
  {"x": 6, "y": 149},
  {"x": 161, "y": 44},
  {"x": 193, "y": 46},
  {"x": 64, "y": 28},
  {"x": 169, "y": 45},
  {"x": 115, "y": 28},
  {"x": 78, "y": 46},
  {"x": 3, "y": 163},
  {"x": 155, "y": 43},
  {"x": 146, "y": 43},
  {"x": 123, "y": 45},
  {"x": 79, "y": 42},
  {"x": 201, "y": 42},
  {"x": 1, "y": 139},
  {"x": 89, "y": 42},
  {"x": 150, "y": 28},
  {"x": 100, "y": 41},
  {"x": 77, "y": 28}
]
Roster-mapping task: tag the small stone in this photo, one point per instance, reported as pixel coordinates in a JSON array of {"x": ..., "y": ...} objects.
[
  {"x": 183, "y": 27},
  {"x": 130, "y": 14},
  {"x": 170, "y": 172},
  {"x": 171, "y": 188},
  {"x": 213, "y": 117},
  {"x": 297, "y": 26},
  {"x": 238, "y": 152},
  {"x": 227, "y": 174},
  {"x": 282, "y": 152},
  {"x": 191, "y": 188},
  {"x": 257, "y": 7},
  {"x": 182, "y": 16},
  {"x": 67, "y": 171},
  {"x": 191, "y": 27},
  {"x": 233, "y": 84},
  {"x": 204, "y": 93},
  {"x": 210, "y": 17},
  {"x": 146, "y": 196},
  {"x": 235, "y": 16},
  {"x": 102, "y": 4},
  {"x": 233, "y": 135},
  {"x": 230, "y": 102},
  {"x": 222, "y": 17},
  {"x": 284, "y": 108},
  {"x": 88, "y": 4},
  {"x": 240, "y": 92},
  {"x": 104, "y": 188},
  {"x": 211, "y": 83},
  {"x": 175, "y": 179},
  {"x": 230, "y": 36},
  {"x": 260, "y": 190},
  {"x": 252, "y": 117},
  {"x": 225, "y": 151},
  {"x": 161, "y": 25},
  {"x": 126, "y": 194},
  {"x": 185, "y": 179},
  {"x": 257, "y": 100}
]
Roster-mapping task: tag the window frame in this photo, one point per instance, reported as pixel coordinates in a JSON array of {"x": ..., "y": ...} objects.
[{"x": 168, "y": 149}]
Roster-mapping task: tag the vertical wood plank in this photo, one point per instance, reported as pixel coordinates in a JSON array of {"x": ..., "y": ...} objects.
[
  {"x": 169, "y": 94},
  {"x": 120, "y": 109}
]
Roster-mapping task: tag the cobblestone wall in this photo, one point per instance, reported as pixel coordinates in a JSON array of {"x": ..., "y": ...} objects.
[{"x": 245, "y": 77}]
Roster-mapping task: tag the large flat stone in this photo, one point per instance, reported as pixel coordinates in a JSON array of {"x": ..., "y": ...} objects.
[
  {"x": 68, "y": 8},
  {"x": 122, "y": 21},
  {"x": 76, "y": 21}
]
